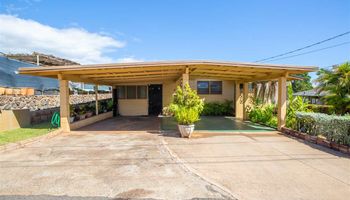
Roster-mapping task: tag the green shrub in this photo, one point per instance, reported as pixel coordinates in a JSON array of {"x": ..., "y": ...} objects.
[
  {"x": 186, "y": 105},
  {"x": 265, "y": 114},
  {"x": 109, "y": 104},
  {"x": 326, "y": 109},
  {"x": 186, "y": 116},
  {"x": 334, "y": 128},
  {"x": 295, "y": 104},
  {"x": 218, "y": 108}
]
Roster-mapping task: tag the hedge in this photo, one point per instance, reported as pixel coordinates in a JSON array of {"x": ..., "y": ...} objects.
[
  {"x": 327, "y": 109},
  {"x": 334, "y": 128},
  {"x": 218, "y": 108},
  {"x": 265, "y": 114}
]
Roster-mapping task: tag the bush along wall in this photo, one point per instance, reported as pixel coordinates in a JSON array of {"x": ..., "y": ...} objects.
[
  {"x": 327, "y": 130},
  {"x": 218, "y": 108},
  {"x": 264, "y": 114},
  {"x": 334, "y": 128},
  {"x": 326, "y": 109}
]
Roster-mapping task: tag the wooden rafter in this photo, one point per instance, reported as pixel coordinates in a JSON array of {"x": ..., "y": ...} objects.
[
  {"x": 148, "y": 71},
  {"x": 124, "y": 74}
]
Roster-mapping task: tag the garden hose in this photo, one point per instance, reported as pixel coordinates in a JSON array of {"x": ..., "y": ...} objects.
[{"x": 55, "y": 120}]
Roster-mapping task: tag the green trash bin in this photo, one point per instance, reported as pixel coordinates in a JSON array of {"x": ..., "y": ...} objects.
[{"x": 55, "y": 120}]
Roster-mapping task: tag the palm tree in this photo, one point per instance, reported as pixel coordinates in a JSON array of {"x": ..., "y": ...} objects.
[
  {"x": 336, "y": 84},
  {"x": 265, "y": 91},
  {"x": 271, "y": 92}
]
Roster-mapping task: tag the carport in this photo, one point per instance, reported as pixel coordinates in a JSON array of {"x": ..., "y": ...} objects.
[{"x": 169, "y": 75}]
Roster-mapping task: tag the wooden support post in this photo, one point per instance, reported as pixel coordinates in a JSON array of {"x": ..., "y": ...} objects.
[
  {"x": 96, "y": 99},
  {"x": 282, "y": 102},
  {"x": 64, "y": 104},
  {"x": 238, "y": 101},
  {"x": 185, "y": 77},
  {"x": 245, "y": 101}
]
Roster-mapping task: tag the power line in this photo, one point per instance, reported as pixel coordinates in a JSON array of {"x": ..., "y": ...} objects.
[
  {"x": 313, "y": 51},
  {"x": 308, "y": 46}
]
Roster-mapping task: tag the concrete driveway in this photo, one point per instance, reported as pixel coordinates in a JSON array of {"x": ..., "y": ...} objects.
[
  {"x": 266, "y": 165},
  {"x": 97, "y": 162},
  {"x": 129, "y": 158}
]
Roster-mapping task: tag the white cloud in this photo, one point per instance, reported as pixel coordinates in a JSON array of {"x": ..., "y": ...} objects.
[
  {"x": 25, "y": 36},
  {"x": 128, "y": 60}
]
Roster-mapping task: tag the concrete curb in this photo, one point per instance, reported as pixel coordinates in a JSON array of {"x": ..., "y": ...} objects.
[
  {"x": 197, "y": 174},
  {"x": 23, "y": 143}
]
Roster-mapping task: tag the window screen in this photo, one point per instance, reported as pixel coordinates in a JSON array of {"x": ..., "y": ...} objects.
[
  {"x": 131, "y": 92},
  {"x": 142, "y": 92},
  {"x": 215, "y": 87},
  {"x": 121, "y": 92},
  {"x": 203, "y": 87}
]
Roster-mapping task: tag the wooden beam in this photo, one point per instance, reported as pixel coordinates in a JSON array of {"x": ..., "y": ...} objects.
[
  {"x": 217, "y": 78},
  {"x": 238, "y": 101},
  {"x": 96, "y": 99},
  {"x": 185, "y": 77},
  {"x": 239, "y": 68},
  {"x": 265, "y": 78},
  {"x": 77, "y": 78},
  {"x": 140, "y": 80},
  {"x": 245, "y": 101},
  {"x": 134, "y": 77},
  {"x": 119, "y": 70},
  {"x": 231, "y": 71},
  {"x": 64, "y": 105},
  {"x": 282, "y": 102},
  {"x": 124, "y": 74},
  {"x": 222, "y": 75}
]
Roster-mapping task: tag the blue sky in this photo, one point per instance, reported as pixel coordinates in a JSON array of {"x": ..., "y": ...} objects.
[{"x": 187, "y": 30}]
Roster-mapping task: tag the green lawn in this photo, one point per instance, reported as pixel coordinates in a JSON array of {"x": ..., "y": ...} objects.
[{"x": 24, "y": 133}]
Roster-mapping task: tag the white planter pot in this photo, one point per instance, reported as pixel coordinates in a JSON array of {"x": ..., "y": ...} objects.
[{"x": 186, "y": 130}]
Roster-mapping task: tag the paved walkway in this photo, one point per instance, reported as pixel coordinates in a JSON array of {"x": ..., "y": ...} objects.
[{"x": 117, "y": 158}]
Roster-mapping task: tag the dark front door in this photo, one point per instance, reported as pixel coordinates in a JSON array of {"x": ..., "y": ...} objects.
[{"x": 155, "y": 100}]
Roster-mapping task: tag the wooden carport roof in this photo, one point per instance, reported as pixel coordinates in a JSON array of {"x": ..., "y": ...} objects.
[{"x": 112, "y": 74}]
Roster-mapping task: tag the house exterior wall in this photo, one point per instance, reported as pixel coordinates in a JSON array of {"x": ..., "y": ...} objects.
[
  {"x": 228, "y": 91},
  {"x": 133, "y": 107},
  {"x": 139, "y": 107}
]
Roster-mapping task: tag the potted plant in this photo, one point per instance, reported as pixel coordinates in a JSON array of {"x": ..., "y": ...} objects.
[
  {"x": 89, "y": 110},
  {"x": 81, "y": 112},
  {"x": 186, "y": 107},
  {"x": 110, "y": 105},
  {"x": 72, "y": 114}
]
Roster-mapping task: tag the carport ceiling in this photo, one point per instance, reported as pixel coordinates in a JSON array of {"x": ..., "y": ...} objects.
[{"x": 112, "y": 74}]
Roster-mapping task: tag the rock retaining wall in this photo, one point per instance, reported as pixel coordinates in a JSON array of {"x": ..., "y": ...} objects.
[{"x": 43, "y": 102}]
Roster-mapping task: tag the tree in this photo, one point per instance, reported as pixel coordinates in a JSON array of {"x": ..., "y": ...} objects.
[
  {"x": 302, "y": 85},
  {"x": 336, "y": 84},
  {"x": 265, "y": 91}
]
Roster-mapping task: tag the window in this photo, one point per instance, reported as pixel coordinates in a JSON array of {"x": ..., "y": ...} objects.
[
  {"x": 215, "y": 87},
  {"x": 142, "y": 92},
  {"x": 203, "y": 87},
  {"x": 132, "y": 92},
  {"x": 121, "y": 92},
  {"x": 209, "y": 87}
]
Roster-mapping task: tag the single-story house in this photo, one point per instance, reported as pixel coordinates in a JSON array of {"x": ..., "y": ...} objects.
[
  {"x": 313, "y": 96},
  {"x": 144, "y": 88}
]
